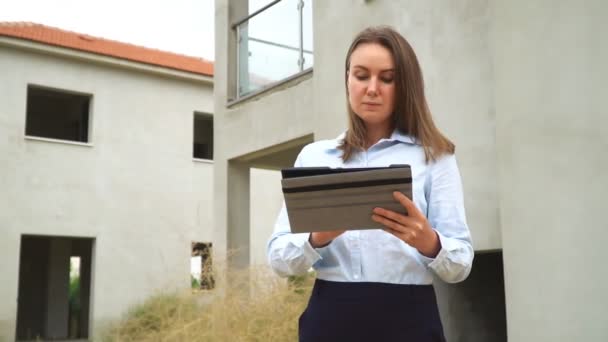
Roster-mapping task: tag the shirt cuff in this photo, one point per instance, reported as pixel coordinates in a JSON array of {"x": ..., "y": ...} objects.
[
  {"x": 447, "y": 245},
  {"x": 310, "y": 253}
]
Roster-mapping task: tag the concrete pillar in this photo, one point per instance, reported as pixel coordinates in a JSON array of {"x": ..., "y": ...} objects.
[
  {"x": 223, "y": 90},
  {"x": 550, "y": 68},
  {"x": 57, "y": 306},
  {"x": 265, "y": 202},
  {"x": 238, "y": 213},
  {"x": 9, "y": 264}
]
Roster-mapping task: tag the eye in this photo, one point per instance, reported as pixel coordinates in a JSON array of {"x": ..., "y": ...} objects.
[
  {"x": 387, "y": 80},
  {"x": 361, "y": 77}
]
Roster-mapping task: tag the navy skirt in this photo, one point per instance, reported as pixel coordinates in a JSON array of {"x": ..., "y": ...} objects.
[{"x": 345, "y": 311}]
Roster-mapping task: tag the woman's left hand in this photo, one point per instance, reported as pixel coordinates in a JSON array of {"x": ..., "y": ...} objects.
[{"x": 413, "y": 229}]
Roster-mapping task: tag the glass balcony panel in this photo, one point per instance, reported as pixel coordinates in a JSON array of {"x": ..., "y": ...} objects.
[
  {"x": 307, "y": 33},
  {"x": 269, "y": 44}
]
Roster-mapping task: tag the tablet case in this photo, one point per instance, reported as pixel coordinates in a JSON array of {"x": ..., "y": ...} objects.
[{"x": 322, "y": 198}]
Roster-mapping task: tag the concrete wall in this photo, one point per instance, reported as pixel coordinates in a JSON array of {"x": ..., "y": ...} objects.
[
  {"x": 266, "y": 199},
  {"x": 135, "y": 188},
  {"x": 550, "y": 68},
  {"x": 518, "y": 86}
]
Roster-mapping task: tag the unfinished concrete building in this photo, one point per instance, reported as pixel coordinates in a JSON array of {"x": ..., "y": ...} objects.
[
  {"x": 518, "y": 86},
  {"x": 106, "y": 162}
]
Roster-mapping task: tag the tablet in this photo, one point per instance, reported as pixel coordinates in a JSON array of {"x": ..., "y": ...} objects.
[{"x": 323, "y": 198}]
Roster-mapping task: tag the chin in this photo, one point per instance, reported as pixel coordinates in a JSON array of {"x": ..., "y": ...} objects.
[{"x": 374, "y": 118}]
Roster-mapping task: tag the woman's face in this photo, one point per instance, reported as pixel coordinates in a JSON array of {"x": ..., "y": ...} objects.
[{"x": 371, "y": 84}]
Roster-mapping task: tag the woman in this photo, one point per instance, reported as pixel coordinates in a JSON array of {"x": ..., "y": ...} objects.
[{"x": 376, "y": 285}]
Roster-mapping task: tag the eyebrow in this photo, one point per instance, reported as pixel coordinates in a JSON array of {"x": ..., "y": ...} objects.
[{"x": 366, "y": 69}]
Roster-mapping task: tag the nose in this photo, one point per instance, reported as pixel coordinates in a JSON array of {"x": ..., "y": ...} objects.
[{"x": 372, "y": 87}]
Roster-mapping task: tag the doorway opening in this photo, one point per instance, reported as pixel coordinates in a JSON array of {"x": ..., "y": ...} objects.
[
  {"x": 474, "y": 310},
  {"x": 54, "y": 287}
]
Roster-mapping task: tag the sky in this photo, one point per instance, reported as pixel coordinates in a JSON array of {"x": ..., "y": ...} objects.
[{"x": 180, "y": 26}]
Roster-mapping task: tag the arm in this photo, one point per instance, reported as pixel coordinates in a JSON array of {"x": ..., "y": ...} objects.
[
  {"x": 441, "y": 236},
  {"x": 446, "y": 215},
  {"x": 290, "y": 254},
  {"x": 293, "y": 254}
]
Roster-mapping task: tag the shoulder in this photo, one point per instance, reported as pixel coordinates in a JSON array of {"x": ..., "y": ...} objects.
[
  {"x": 445, "y": 159},
  {"x": 445, "y": 165},
  {"x": 321, "y": 146},
  {"x": 322, "y": 152}
]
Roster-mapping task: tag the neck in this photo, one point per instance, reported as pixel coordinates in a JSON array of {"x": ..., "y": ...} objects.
[{"x": 375, "y": 133}]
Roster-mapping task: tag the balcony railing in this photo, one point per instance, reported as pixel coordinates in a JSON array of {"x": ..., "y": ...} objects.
[{"x": 273, "y": 43}]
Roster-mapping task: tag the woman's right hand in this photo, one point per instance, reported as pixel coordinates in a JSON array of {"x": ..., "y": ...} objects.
[{"x": 322, "y": 239}]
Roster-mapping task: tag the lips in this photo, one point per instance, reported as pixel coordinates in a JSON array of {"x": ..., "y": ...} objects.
[{"x": 371, "y": 104}]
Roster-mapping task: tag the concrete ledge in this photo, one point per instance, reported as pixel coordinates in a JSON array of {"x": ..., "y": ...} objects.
[
  {"x": 58, "y": 141},
  {"x": 277, "y": 86},
  {"x": 202, "y": 161}
]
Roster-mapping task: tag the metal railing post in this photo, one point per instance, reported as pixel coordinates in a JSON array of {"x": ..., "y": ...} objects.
[
  {"x": 238, "y": 60},
  {"x": 301, "y": 20}
]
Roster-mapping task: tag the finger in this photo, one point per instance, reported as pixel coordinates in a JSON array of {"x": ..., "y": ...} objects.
[
  {"x": 404, "y": 220},
  {"x": 387, "y": 223},
  {"x": 396, "y": 226},
  {"x": 411, "y": 208}
]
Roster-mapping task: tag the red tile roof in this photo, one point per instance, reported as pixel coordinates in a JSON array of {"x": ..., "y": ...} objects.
[{"x": 82, "y": 42}]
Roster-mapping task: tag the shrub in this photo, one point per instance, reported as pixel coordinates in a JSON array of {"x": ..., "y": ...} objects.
[{"x": 250, "y": 305}]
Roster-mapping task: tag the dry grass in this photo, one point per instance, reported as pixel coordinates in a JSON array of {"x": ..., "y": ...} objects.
[{"x": 251, "y": 305}]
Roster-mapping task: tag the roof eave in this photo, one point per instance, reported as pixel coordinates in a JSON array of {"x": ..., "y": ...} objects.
[{"x": 40, "y": 47}]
